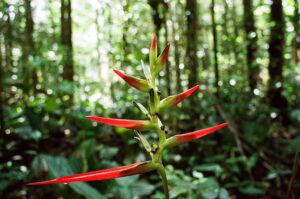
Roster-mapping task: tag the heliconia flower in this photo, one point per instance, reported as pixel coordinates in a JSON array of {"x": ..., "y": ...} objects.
[
  {"x": 118, "y": 172},
  {"x": 187, "y": 137},
  {"x": 153, "y": 53},
  {"x": 175, "y": 99},
  {"x": 135, "y": 82},
  {"x": 139, "y": 125}
]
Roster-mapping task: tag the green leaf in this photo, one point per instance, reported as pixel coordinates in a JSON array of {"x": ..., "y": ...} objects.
[
  {"x": 210, "y": 167},
  {"x": 208, "y": 188},
  {"x": 59, "y": 166},
  {"x": 141, "y": 108},
  {"x": 250, "y": 190},
  {"x": 223, "y": 194},
  {"x": 146, "y": 71}
]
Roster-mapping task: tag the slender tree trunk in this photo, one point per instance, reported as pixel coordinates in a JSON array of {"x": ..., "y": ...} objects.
[
  {"x": 296, "y": 40},
  {"x": 191, "y": 61},
  {"x": 192, "y": 40},
  {"x": 235, "y": 32},
  {"x": 276, "y": 47},
  {"x": 225, "y": 32},
  {"x": 2, "y": 121},
  {"x": 215, "y": 47},
  {"x": 157, "y": 19},
  {"x": 6, "y": 61},
  {"x": 168, "y": 75},
  {"x": 66, "y": 42},
  {"x": 251, "y": 44},
  {"x": 8, "y": 40},
  {"x": 176, "y": 52},
  {"x": 30, "y": 73}
]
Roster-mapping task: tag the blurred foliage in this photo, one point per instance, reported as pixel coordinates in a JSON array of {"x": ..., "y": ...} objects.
[{"x": 47, "y": 136}]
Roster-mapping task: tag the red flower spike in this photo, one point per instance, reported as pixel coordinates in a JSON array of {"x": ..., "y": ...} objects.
[
  {"x": 137, "y": 83},
  {"x": 162, "y": 59},
  {"x": 175, "y": 99},
  {"x": 139, "y": 125},
  {"x": 187, "y": 137},
  {"x": 133, "y": 169},
  {"x": 153, "y": 52}
]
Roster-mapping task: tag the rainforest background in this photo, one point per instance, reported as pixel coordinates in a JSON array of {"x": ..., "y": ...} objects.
[{"x": 56, "y": 66}]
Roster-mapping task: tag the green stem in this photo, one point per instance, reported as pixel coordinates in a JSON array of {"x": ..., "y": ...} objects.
[
  {"x": 162, "y": 173},
  {"x": 154, "y": 100}
]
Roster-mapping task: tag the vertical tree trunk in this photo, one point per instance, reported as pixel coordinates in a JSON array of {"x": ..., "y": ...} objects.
[
  {"x": 276, "y": 47},
  {"x": 235, "y": 33},
  {"x": 225, "y": 32},
  {"x": 251, "y": 44},
  {"x": 66, "y": 41},
  {"x": 168, "y": 75},
  {"x": 28, "y": 51},
  {"x": 215, "y": 47},
  {"x": 8, "y": 40},
  {"x": 176, "y": 52},
  {"x": 157, "y": 19},
  {"x": 2, "y": 122},
  {"x": 296, "y": 40},
  {"x": 6, "y": 66},
  {"x": 191, "y": 37}
]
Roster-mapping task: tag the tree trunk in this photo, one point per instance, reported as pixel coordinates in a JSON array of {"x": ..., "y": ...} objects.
[
  {"x": 276, "y": 47},
  {"x": 235, "y": 33},
  {"x": 167, "y": 67},
  {"x": 8, "y": 40},
  {"x": 2, "y": 122},
  {"x": 251, "y": 44},
  {"x": 191, "y": 37},
  {"x": 296, "y": 40},
  {"x": 176, "y": 52},
  {"x": 66, "y": 40},
  {"x": 156, "y": 17},
  {"x": 28, "y": 51},
  {"x": 215, "y": 47}
]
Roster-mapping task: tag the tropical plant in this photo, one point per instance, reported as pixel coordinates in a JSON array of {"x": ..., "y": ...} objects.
[{"x": 155, "y": 150}]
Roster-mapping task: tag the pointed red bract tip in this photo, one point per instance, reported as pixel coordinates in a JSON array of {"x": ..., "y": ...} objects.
[
  {"x": 139, "y": 125},
  {"x": 187, "y": 137},
  {"x": 153, "y": 43},
  {"x": 137, "y": 168},
  {"x": 175, "y": 99},
  {"x": 185, "y": 94},
  {"x": 137, "y": 83},
  {"x": 55, "y": 181},
  {"x": 162, "y": 59}
]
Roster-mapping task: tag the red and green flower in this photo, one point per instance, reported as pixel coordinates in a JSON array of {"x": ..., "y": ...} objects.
[{"x": 154, "y": 123}]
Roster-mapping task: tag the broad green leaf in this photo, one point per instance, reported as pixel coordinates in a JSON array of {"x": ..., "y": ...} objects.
[{"x": 59, "y": 166}]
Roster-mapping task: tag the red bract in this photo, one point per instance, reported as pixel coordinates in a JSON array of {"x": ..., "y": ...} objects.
[
  {"x": 139, "y": 125},
  {"x": 187, "y": 137},
  {"x": 137, "y": 83},
  {"x": 153, "y": 46},
  {"x": 175, "y": 99},
  {"x": 133, "y": 169},
  {"x": 153, "y": 53},
  {"x": 162, "y": 59}
]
